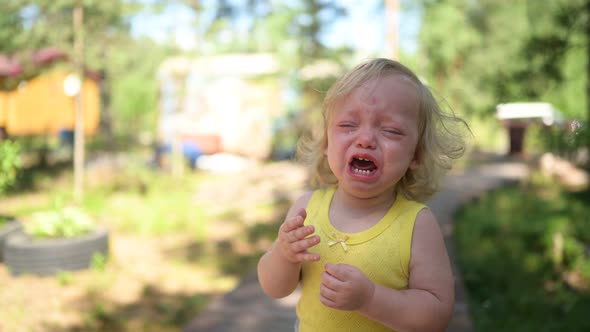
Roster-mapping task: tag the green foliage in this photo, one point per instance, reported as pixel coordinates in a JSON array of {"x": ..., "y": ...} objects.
[
  {"x": 10, "y": 164},
  {"x": 482, "y": 53},
  {"x": 565, "y": 141},
  {"x": 11, "y": 28},
  {"x": 132, "y": 202},
  {"x": 32, "y": 25},
  {"x": 133, "y": 85},
  {"x": 129, "y": 65},
  {"x": 98, "y": 262},
  {"x": 59, "y": 222},
  {"x": 64, "y": 278},
  {"x": 516, "y": 246},
  {"x": 487, "y": 135},
  {"x": 292, "y": 31}
]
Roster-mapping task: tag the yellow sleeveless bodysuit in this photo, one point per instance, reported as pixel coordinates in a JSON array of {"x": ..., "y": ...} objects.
[{"x": 382, "y": 252}]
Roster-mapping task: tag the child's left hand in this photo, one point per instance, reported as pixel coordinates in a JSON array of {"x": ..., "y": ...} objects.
[{"x": 345, "y": 287}]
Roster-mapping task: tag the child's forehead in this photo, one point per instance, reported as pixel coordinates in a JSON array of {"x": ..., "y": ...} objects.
[
  {"x": 397, "y": 79},
  {"x": 377, "y": 89},
  {"x": 398, "y": 88}
]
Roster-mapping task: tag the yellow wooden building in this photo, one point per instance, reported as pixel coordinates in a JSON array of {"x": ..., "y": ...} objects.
[{"x": 40, "y": 106}]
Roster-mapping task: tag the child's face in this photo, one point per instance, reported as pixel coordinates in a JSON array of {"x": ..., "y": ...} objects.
[{"x": 372, "y": 136}]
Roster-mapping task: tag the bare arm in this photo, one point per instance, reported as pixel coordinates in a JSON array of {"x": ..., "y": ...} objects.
[
  {"x": 279, "y": 268},
  {"x": 426, "y": 305}
]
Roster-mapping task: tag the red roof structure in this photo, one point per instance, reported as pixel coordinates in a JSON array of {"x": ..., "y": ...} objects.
[
  {"x": 48, "y": 55},
  {"x": 9, "y": 66}
]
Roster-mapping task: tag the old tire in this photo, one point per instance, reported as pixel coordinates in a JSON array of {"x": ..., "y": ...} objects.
[
  {"x": 26, "y": 255},
  {"x": 9, "y": 228}
]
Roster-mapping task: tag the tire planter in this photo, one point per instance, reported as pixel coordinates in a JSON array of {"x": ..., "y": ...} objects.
[
  {"x": 10, "y": 227},
  {"x": 24, "y": 254}
]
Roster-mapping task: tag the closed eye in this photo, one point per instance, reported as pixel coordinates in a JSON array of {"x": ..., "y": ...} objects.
[
  {"x": 393, "y": 131},
  {"x": 346, "y": 125}
]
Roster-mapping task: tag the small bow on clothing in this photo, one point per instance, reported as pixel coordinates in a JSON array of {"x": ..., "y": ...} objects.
[{"x": 340, "y": 240}]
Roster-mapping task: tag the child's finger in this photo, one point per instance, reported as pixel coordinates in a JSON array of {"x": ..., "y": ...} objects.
[
  {"x": 338, "y": 271},
  {"x": 305, "y": 243},
  {"x": 300, "y": 233},
  {"x": 295, "y": 222},
  {"x": 308, "y": 257}
]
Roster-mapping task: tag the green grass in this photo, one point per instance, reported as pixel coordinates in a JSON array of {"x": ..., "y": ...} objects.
[
  {"x": 516, "y": 247},
  {"x": 136, "y": 200}
]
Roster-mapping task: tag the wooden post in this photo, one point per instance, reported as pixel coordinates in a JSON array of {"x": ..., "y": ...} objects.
[
  {"x": 78, "y": 17},
  {"x": 392, "y": 27},
  {"x": 587, "y": 74}
]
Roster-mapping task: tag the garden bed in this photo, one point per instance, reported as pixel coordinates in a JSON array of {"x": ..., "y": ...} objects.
[{"x": 7, "y": 227}]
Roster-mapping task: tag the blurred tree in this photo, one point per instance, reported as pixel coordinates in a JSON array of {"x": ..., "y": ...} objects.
[
  {"x": 392, "y": 28},
  {"x": 132, "y": 74},
  {"x": 110, "y": 52},
  {"x": 559, "y": 51},
  {"x": 35, "y": 24},
  {"x": 470, "y": 47},
  {"x": 481, "y": 53},
  {"x": 11, "y": 26},
  {"x": 293, "y": 31}
]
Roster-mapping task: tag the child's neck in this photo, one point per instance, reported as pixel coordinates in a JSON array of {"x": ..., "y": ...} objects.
[{"x": 352, "y": 214}]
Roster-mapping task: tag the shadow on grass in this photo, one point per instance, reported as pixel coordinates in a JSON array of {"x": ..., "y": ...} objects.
[
  {"x": 522, "y": 286},
  {"x": 583, "y": 196},
  {"x": 155, "y": 310},
  {"x": 237, "y": 255},
  {"x": 28, "y": 178},
  {"x": 233, "y": 257}
]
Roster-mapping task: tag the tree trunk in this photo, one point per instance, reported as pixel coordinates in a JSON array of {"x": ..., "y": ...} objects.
[
  {"x": 392, "y": 26},
  {"x": 105, "y": 124},
  {"x": 78, "y": 17},
  {"x": 587, "y": 129}
]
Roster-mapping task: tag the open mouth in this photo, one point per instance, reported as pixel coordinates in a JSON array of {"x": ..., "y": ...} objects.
[{"x": 362, "y": 165}]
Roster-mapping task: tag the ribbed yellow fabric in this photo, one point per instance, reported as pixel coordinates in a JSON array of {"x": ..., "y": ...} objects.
[{"x": 382, "y": 252}]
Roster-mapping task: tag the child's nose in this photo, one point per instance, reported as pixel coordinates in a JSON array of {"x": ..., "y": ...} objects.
[{"x": 365, "y": 139}]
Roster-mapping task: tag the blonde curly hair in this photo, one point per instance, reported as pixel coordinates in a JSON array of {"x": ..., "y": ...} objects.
[{"x": 440, "y": 142}]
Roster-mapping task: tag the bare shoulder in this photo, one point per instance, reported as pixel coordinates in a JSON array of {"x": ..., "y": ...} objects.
[
  {"x": 300, "y": 203},
  {"x": 429, "y": 255},
  {"x": 426, "y": 222},
  {"x": 427, "y": 236}
]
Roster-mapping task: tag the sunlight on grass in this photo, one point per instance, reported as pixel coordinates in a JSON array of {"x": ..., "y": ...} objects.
[
  {"x": 153, "y": 214},
  {"x": 175, "y": 243}
]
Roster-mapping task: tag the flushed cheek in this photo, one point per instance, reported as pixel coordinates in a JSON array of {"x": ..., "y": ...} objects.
[
  {"x": 337, "y": 146},
  {"x": 401, "y": 155}
]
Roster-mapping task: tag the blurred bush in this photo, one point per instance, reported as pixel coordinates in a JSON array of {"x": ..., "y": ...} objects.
[{"x": 10, "y": 164}]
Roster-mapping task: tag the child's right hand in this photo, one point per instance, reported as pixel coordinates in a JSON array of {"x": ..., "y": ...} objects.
[{"x": 293, "y": 239}]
